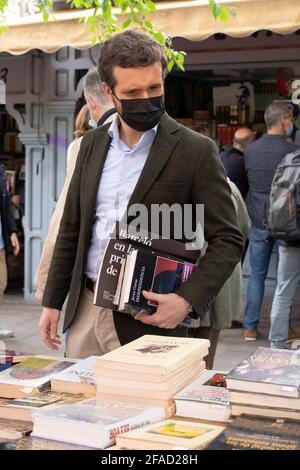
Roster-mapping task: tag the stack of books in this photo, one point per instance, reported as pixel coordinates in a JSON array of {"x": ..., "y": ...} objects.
[
  {"x": 78, "y": 378},
  {"x": 258, "y": 433},
  {"x": 205, "y": 398},
  {"x": 134, "y": 263},
  {"x": 266, "y": 384},
  {"x": 150, "y": 370}
]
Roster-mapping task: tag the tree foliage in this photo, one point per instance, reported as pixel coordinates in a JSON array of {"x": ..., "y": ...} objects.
[{"x": 103, "y": 22}]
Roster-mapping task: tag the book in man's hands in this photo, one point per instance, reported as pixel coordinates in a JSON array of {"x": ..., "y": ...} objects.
[{"x": 131, "y": 264}]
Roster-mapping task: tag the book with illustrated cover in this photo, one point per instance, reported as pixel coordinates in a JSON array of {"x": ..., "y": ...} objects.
[
  {"x": 120, "y": 245},
  {"x": 159, "y": 355},
  {"x": 32, "y": 375},
  {"x": 78, "y": 378},
  {"x": 146, "y": 270},
  {"x": 269, "y": 371},
  {"x": 258, "y": 433},
  {"x": 202, "y": 400},
  {"x": 93, "y": 423},
  {"x": 170, "y": 435},
  {"x": 22, "y": 408},
  {"x": 12, "y": 356}
]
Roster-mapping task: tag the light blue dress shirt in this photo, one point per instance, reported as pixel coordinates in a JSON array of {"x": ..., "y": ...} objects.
[{"x": 122, "y": 169}]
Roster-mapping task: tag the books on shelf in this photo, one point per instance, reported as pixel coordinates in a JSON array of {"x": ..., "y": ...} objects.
[
  {"x": 205, "y": 398},
  {"x": 32, "y": 375},
  {"x": 268, "y": 371},
  {"x": 257, "y": 433},
  {"x": 93, "y": 423},
  {"x": 78, "y": 378},
  {"x": 170, "y": 435},
  {"x": 154, "y": 355},
  {"x": 132, "y": 263},
  {"x": 22, "y": 408}
]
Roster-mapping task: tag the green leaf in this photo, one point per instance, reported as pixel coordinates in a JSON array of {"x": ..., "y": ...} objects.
[
  {"x": 224, "y": 15},
  {"x": 126, "y": 23},
  {"x": 149, "y": 24},
  {"x": 171, "y": 65}
]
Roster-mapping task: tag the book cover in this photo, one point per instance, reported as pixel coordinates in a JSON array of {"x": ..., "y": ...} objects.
[
  {"x": 10, "y": 356},
  {"x": 81, "y": 372},
  {"x": 170, "y": 434},
  {"x": 163, "y": 354},
  {"x": 269, "y": 367},
  {"x": 122, "y": 243},
  {"x": 33, "y": 372},
  {"x": 92, "y": 422},
  {"x": 258, "y": 433},
  {"x": 201, "y": 390},
  {"x": 156, "y": 274}
]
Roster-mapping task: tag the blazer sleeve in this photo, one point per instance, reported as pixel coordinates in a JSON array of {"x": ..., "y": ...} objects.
[
  {"x": 48, "y": 248},
  {"x": 221, "y": 231},
  {"x": 65, "y": 249}
]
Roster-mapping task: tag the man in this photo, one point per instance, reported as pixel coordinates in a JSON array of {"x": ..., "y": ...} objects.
[
  {"x": 101, "y": 110},
  {"x": 261, "y": 160},
  {"x": 233, "y": 159},
  {"x": 8, "y": 239},
  {"x": 144, "y": 157}
]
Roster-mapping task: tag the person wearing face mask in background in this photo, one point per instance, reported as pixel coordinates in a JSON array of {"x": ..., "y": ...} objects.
[
  {"x": 98, "y": 110},
  {"x": 143, "y": 157},
  {"x": 261, "y": 160}
]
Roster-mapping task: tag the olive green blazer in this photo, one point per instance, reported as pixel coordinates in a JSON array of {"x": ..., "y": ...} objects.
[{"x": 182, "y": 167}]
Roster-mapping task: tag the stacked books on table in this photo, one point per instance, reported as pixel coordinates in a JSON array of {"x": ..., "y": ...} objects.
[
  {"x": 150, "y": 370},
  {"x": 205, "y": 398},
  {"x": 258, "y": 433},
  {"x": 266, "y": 384},
  {"x": 131, "y": 264}
]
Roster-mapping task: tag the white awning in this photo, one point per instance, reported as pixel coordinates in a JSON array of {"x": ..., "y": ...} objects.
[{"x": 189, "y": 19}]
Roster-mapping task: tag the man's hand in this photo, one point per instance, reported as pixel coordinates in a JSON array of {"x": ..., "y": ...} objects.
[
  {"x": 171, "y": 310},
  {"x": 15, "y": 243},
  {"x": 48, "y": 327}
]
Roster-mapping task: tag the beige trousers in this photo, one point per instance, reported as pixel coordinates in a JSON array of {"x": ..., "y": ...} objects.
[
  {"x": 92, "y": 332},
  {"x": 3, "y": 272}
]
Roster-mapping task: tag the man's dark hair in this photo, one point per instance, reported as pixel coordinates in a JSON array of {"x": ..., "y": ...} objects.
[{"x": 126, "y": 50}]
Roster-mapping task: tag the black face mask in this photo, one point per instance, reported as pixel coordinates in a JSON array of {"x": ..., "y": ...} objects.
[{"x": 142, "y": 114}]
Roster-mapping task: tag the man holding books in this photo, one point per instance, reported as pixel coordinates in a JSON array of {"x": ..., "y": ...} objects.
[{"x": 144, "y": 157}]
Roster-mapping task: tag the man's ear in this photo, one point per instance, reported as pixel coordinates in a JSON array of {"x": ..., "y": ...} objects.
[
  {"x": 91, "y": 102},
  {"x": 106, "y": 89}
]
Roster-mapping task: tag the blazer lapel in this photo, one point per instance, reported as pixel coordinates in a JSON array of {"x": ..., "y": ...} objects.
[
  {"x": 95, "y": 168},
  {"x": 160, "y": 152}
]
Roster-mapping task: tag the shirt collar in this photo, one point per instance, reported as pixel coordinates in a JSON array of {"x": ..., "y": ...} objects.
[{"x": 113, "y": 132}]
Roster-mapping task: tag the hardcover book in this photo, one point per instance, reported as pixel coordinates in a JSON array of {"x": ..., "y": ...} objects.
[
  {"x": 32, "y": 375},
  {"x": 93, "y": 423},
  {"x": 270, "y": 371},
  {"x": 257, "y": 433},
  {"x": 170, "y": 434}
]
